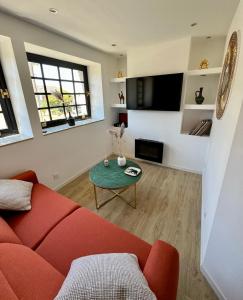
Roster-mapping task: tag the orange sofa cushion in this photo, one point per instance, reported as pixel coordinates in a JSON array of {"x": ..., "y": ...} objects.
[
  {"x": 84, "y": 233},
  {"x": 7, "y": 235},
  {"x": 6, "y": 291},
  {"x": 28, "y": 274},
  {"x": 48, "y": 208}
]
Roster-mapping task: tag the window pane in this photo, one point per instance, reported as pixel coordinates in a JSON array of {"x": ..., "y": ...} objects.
[
  {"x": 57, "y": 113},
  {"x": 69, "y": 99},
  {"x": 44, "y": 115},
  {"x": 52, "y": 86},
  {"x": 38, "y": 85},
  {"x": 80, "y": 99},
  {"x": 67, "y": 87},
  {"x": 41, "y": 101},
  {"x": 73, "y": 111},
  {"x": 50, "y": 71},
  {"x": 53, "y": 101},
  {"x": 79, "y": 87},
  {"x": 3, "y": 124},
  {"x": 35, "y": 69},
  {"x": 78, "y": 75},
  {"x": 66, "y": 73},
  {"x": 82, "y": 110}
]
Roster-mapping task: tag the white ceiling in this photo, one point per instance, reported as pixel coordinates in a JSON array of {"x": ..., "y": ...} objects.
[{"x": 128, "y": 23}]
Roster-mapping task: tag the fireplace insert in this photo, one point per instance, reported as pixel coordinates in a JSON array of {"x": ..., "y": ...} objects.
[{"x": 149, "y": 150}]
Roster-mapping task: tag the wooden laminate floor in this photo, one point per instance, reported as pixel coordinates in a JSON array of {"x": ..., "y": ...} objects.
[{"x": 168, "y": 208}]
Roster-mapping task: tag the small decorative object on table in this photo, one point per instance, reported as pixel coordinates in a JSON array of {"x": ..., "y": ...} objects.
[
  {"x": 204, "y": 64},
  {"x": 106, "y": 162},
  {"x": 132, "y": 171},
  {"x": 66, "y": 103},
  {"x": 121, "y": 98},
  {"x": 118, "y": 133},
  {"x": 198, "y": 96},
  {"x": 121, "y": 160}
]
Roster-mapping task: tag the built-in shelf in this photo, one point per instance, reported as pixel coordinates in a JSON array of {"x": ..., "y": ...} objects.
[
  {"x": 203, "y": 72},
  {"x": 200, "y": 136},
  {"x": 118, "y": 105},
  {"x": 206, "y": 80},
  {"x": 118, "y": 79},
  {"x": 200, "y": 106}
]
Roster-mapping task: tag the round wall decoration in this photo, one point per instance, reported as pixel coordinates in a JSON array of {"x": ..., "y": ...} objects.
[{"x": 227, "y": 75}]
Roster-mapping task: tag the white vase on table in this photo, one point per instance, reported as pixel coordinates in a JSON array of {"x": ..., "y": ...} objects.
[{"x": 121, "y": 161}]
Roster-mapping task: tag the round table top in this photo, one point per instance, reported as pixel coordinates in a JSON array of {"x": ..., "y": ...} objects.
[{"x": 113, "y": 176}]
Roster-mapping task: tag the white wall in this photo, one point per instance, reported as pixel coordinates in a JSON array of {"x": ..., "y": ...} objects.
[
  {"x": 221, "y": 141},
  {"x": 181, "y": 151},
  {"x": 66, "y": 153},
  {"x": 223, "y": 260},
  {"x": 222, "y": 243}
]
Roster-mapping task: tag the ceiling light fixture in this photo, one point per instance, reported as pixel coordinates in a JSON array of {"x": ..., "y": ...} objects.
[
  {"x": 53, "y": 10},
  {"x": 193, "y": 24}
]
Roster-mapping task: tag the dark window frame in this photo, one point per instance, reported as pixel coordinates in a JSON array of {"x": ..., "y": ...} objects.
[
  {"x": 36, "y": 58},
  {"x": 6, "y": 108}
]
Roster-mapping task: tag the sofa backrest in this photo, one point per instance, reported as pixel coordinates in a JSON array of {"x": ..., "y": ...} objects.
[
  {"x": 27, "y": 176},
  {"x": 7, "y": 235}
]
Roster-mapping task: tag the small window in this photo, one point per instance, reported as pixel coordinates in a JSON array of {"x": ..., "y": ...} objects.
[
  {"x": 8, "y": 124},
  {"x": 51, "y": 75}
]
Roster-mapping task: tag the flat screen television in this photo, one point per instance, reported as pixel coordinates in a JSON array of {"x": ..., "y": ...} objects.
[{"x": 160, "y": 92}]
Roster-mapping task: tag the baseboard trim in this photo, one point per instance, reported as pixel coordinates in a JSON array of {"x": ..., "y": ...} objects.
[
  {"x": 72, "y": 178},
  {"x": 163, "y": 164},
  {"x": 181, "y": 169},
  {"x": 213, "y": 284}
]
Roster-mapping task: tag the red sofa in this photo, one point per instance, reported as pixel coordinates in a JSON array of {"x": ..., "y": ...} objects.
[{"x": 37, "y": 247}]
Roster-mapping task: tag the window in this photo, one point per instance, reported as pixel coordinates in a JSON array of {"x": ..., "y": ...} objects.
[
  {"x": 71, "y": 80},
  {"x": 7, "y": 120}
]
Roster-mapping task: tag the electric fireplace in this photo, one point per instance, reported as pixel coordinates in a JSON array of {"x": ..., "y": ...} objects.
[{"x": 149, "y": 150}]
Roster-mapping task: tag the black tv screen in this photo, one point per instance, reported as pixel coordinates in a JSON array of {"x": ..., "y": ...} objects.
[{"x": 160, "y": 92}]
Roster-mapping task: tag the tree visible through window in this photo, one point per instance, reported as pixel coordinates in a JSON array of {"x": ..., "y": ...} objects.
[
  {"x": 50, "y": 75},
  {"x": 7, "y": 119}
]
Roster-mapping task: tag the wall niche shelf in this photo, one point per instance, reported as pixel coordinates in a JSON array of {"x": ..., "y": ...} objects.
[
  {"x": 208, "y": 79},
  {"x": 118, "y": 105},
  {"x": 194, "y": 136},
  {"x": 118, "y": 80},
  {"x": 205, "y": 72},
  {"x": 200, "y": 106}
]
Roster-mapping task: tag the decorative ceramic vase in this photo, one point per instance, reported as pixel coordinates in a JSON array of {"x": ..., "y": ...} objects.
[
  {"x": 106, "y": 162},
  {"x": 199, "y": 97},
  {"x": 71, "y": 120},
  {"x": 121, "y": 161}
]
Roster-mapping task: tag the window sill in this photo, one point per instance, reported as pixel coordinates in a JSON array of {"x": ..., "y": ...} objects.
[
  {"x": 16, "y": 138},
  {"x": 63, "y": 127}
]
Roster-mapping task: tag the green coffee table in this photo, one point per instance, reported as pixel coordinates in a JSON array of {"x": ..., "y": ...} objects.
[{"x": 114, "y": 179}]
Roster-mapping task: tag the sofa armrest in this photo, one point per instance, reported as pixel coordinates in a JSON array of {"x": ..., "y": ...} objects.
[
  {"x": 27, "y": 176},
  {"x": 162, "y": 270}
]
